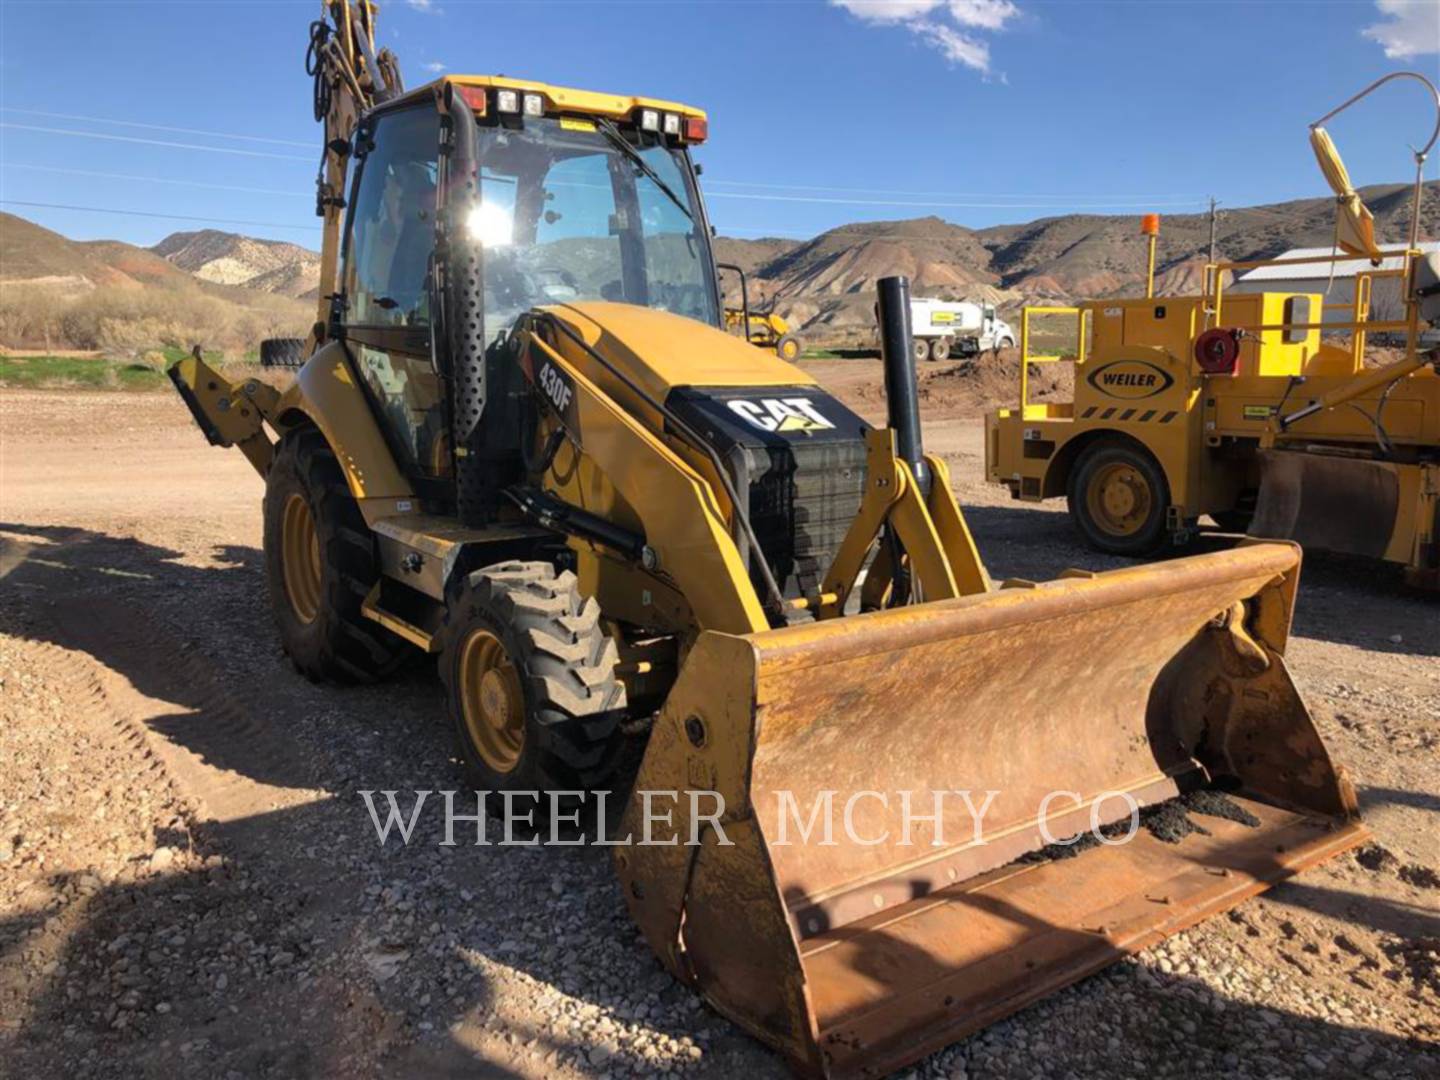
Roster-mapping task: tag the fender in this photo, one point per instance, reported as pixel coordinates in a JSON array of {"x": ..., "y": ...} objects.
[{"x": 326, "y": 392}]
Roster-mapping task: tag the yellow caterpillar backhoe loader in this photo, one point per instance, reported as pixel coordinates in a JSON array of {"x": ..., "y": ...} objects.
[{"x": 524, "y": 442}]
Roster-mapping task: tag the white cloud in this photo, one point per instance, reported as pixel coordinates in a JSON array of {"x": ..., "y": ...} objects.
[
  {"x": 956, "y": 47},
  {"x": 983, "y": 14},
  {"x": 1413, "y": 28},
  {"x": 948, "y": 26},
  {"x": 888, "y": 11},
  {"x": 434, "y": 67},
  {"x": 427, "y": 6}
]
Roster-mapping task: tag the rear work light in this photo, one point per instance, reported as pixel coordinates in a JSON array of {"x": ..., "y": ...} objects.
[
  {"x": 697, "y": 129},
  {"x": 534, "y": 105},
  {"x": 474, "y": 97},
  {"x": 649, "y": 120},
  {"x": 672, "y": 124},
  {"x": 507, "y": 101}
]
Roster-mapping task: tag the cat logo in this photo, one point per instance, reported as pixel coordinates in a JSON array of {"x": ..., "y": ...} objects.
[{"x": 781, "y": 414}]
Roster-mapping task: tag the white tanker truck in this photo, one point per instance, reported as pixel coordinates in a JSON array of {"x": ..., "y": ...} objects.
[{"x": 945, "y": 327}]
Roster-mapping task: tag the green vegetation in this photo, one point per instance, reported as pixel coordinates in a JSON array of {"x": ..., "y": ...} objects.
[{"x": 37, "y": 372}]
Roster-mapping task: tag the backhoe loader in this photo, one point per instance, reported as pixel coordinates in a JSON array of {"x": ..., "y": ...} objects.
[{"x": 524, "y": 442}]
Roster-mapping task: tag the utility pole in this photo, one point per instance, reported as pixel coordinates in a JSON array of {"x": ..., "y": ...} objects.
[{"x": 1214, "y": 217}]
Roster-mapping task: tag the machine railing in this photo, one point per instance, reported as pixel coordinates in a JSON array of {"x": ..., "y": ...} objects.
[
  {"x": 1360, "y": 324},
  {"x": 1081, "y": 315}
]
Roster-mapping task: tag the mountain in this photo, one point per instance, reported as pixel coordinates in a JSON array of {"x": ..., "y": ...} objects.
[
  {"x": 125, "y": 300},
  {"x": 35, "y": 255},
  {"x": 272, "y": 266},
  {"x": 824, "y": 286}
]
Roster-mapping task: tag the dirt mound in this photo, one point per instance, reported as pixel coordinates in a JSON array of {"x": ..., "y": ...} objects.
[
  {"x": 989, "y": 382},
  {"x": 959, "y": 388}
]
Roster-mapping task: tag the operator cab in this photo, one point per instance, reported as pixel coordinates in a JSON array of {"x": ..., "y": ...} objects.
[{"x": 580, "y": 197}]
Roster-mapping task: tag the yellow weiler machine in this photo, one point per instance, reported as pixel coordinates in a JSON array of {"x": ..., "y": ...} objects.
[
  {"x": 524, "y": 444},
  {"x": 1237, "y": 406}
]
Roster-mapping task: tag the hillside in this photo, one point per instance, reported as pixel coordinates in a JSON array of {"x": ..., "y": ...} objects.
[
  {"x": 823, "y": 286},
  {"x": 272, "y": 266},
  {"x": 124, "y": 299},
  {"x": 35, "y": 255}
]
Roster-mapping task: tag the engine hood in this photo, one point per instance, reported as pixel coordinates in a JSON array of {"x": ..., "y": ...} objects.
[{"x": 663, "y": 352}]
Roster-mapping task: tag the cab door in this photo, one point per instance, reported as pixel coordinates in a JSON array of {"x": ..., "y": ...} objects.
[{"x": 386, "y": 318}]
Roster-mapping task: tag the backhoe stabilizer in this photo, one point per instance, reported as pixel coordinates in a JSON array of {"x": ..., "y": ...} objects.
[
  {"x": 901, "y": 923},
  {"x": 230, "y": 414}
]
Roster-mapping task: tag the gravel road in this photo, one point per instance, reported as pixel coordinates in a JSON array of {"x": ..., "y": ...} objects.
[{"x": 190, "y": 884}]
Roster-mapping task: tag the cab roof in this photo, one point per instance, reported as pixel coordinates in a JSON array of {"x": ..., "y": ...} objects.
[{"x": 559, "y": 98}]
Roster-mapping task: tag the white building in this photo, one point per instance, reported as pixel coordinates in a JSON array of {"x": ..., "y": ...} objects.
[{"x": 1313, "y": 277}]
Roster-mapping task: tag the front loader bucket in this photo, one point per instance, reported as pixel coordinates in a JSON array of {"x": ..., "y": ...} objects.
[{"x": 857, "y": 948}]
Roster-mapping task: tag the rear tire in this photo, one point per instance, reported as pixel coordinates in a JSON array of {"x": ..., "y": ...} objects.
[
  {"x": 939, "y": 349},
  {"x": 282, "y": 352},
  {"x": 922, "y": 350},
  {"x": 788, "y": 348},
  {"x": 319, "y": 565},
  {"x": 1118, "y": 496},
  {"x": 530, "y": 681}
]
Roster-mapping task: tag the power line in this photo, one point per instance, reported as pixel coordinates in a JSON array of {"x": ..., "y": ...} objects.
[
  {"x": 1064, "y": 201},
  {"x": 155, "y": 127},
  {"x": 156, "y": 142},
  {"x": 945, "y": 205},
  {"x": 153, "y": 179},
  {"x": 938, "y": 194},
  {"x": 148, "y": 214}
]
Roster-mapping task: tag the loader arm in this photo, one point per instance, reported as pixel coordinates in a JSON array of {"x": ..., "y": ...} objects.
[{"x": 680, "y": 518}]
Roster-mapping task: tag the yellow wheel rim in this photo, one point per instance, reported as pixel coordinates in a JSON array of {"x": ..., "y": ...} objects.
[
  {"x": 300, "y": 559},
  {"x": 491, "y": 701},
  {"x": 1119, "y": 499},
  {"x": 789, "y": 351}
]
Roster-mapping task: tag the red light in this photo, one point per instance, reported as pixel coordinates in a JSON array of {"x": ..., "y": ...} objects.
[
  {"x": 697, "y": 129},
  {"x": 474, "y": 96}
]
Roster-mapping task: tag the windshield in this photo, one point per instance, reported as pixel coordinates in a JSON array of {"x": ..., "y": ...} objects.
[{"x": 566, "y": 215}]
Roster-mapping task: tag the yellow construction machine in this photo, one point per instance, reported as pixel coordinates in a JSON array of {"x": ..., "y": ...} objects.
[
  {"x": 1245, "y": 407},
  {"x": 524, "y": 443},
  {"x": 766, "y": 330}
]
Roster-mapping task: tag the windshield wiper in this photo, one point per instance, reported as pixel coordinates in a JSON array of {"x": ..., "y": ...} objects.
[{"x": 611, "y": 132}]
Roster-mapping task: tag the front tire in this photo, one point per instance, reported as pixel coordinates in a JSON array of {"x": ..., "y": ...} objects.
[
  {"x": 319, "y": 566},
  {"x": 788, "y": 348},
  {"x": 1118, "y": 497},
  {"x": 530, "y": 681}
]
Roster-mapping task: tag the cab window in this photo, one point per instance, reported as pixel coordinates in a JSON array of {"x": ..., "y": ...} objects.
[{"x": 392, "y": 228}]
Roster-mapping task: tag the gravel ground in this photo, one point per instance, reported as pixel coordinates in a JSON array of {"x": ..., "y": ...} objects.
[{"x": 189, "y": 883}]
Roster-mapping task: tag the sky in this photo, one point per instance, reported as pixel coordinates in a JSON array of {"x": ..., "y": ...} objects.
[{"x": 822, "y": 112}]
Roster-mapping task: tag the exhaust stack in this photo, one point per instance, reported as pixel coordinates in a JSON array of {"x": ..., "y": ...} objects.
[{"x": 902, "y": 398}]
